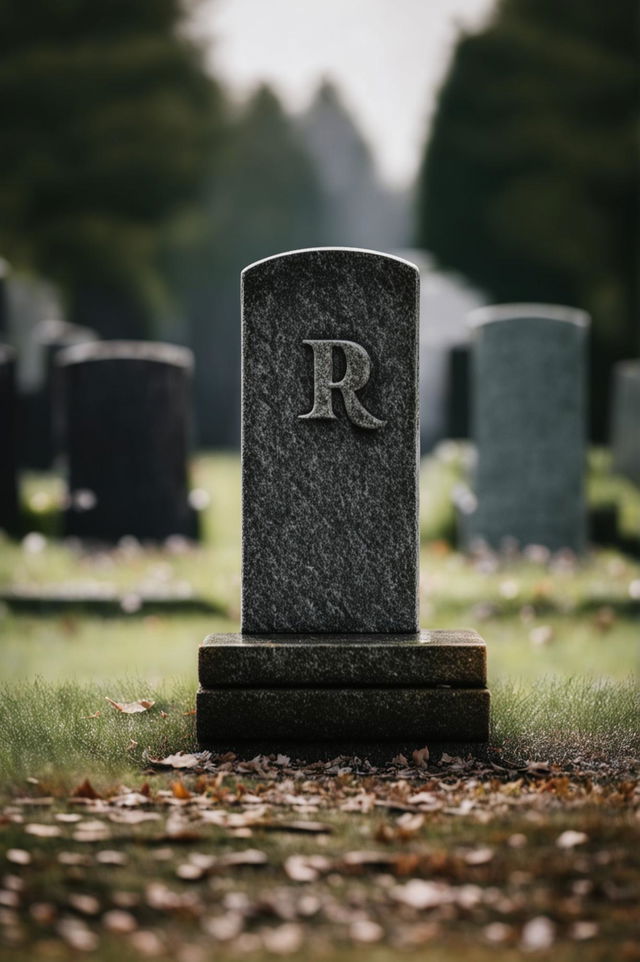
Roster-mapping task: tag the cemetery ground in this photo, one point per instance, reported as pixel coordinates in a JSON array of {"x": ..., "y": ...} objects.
[{"x": 119, "y": 838}]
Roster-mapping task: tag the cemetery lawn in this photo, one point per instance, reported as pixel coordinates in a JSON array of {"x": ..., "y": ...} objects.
[{"x": 111, "y": 846}]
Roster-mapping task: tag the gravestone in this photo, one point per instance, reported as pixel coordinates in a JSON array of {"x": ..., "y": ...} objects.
[
  {"x": 457, "y": 391},
  {"x": 330, "y": 656},
  {"x": 42, "y": 439},
  {"x": 8, "y": 442},
  {"x": 126, "y": 413},
  {"x": 625, "y": 420},
  {"x": 529, "y": 426}
]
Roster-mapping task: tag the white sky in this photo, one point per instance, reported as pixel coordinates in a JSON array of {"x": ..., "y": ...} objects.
[{"x": 387, "y": 56}]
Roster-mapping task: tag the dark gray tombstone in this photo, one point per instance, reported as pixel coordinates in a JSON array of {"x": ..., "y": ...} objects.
[
  {"x": 42, "y": 440},
  {"x": 9, "y": 515},
  {"x": 625, "y": 420},
  {"x": 529, "y": 425},
  {"x": 330, "y": 655},
  {"x": 126, "y": 413},
  {"x": 458, "y": 391}
]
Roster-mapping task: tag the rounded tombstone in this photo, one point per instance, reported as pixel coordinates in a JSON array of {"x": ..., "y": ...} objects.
[
  {"x": 9, "y": 514},
  {"x": 529, "y": 411},
  {"x": 127, "y": 410},
  {"x": 42, "y": 415},
  {"x": 625, "y": 420}
]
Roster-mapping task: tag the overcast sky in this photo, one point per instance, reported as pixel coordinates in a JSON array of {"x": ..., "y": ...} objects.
[{"x": 387, "y": 56}]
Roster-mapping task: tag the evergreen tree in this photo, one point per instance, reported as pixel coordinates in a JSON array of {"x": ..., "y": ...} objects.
[
  {"x": 108, "y": 123},
  {"x": 529, "y": 181}
]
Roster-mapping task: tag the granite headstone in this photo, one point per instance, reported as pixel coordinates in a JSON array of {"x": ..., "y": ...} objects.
[
  {"x": 126, "y": 414},
  {"x": 529, "y": 425},
  {"x": 330, "y": 655},
  {"x": 625, "y": 426},
  {"x": 8, "y": 442}
]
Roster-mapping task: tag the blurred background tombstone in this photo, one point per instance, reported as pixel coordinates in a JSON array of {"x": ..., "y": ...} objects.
[
  {"x": 41, "y": 437},
  {"x": 445, "y": 302},
  {"x": 8, "y": 441},
  {"x": 625, "y": 420},
  {"x": 529, "y": 426},
  {"x": 458, "y": 390},
  {"x": 126, "y": 413}
]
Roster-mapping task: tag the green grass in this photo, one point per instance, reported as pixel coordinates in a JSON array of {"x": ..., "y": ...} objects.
[{"x": 48, "y": 731}]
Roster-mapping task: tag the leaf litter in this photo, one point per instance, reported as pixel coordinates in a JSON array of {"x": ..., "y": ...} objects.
[{"x": 527, "y": 856}]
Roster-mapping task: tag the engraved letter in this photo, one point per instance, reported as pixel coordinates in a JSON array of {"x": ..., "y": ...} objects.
[{"x": 356, "y": 375}]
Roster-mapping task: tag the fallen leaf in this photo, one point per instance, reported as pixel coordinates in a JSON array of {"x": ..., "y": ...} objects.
[
  {"x": 77, "y": 935},
  {"x": 43, "y": 831},
  {"x": 96, "y": 714},
  {"x": 479, "y": 856},
  {"x": 538, "y": 934},
  {"x": 420, "y": 757},
  {"x": 283, "y": 940},
  {"x": 87, "y": 904},
  {"x": 131, "y": 707},
  {"x": 365, "y": 930},
  {"x": 119, "y": 922},
  {"x": 132, "y": 744},
  {"x": 111, "y": 857},
  {"x": 18, "y": 856},
  {"x": 180, "y": 791},
  {"x": 180, "y": 760},
  {"x": 570, "y": 839},
  {"x": 85, "y": 790},
  {"x": 421, "y": 894},
  {"x": 306, "y": 868}
]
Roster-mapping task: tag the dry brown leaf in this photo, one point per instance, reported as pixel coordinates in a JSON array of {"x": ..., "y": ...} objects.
[
  {"x": 479, "y": 856},
  {"x": 96, "y": 714},
  {"x": 77, "y": 935},
  {"x": 85, "y": 790},
  {"x": 420, "y": 757},
  {"x": 131, "y": 707},
  {"x": 132, "y": 744},
  {"x": 18, "y": 856},
  {"x": 119, "y": 922},
  {"x": 87, "y": 904},
  {"x": 180, "y": 790},
  {"x": 283, "y": 940}
]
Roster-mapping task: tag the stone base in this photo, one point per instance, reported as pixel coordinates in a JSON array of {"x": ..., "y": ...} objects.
[
  {"x": 320, "y": 696},
  {"x": 424, "y": 659}
]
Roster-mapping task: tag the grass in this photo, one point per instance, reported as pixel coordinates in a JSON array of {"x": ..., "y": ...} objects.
[
  {"x": 50, "y": 732},
  {"x": 563, "y": 647}
]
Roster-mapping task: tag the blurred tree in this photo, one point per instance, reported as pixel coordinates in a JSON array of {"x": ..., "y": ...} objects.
[
  {"x": 108, "y": 122},
  {"x": 263, "y": 198},
  {"x": 360, "y": 210},
  {"x": 529, "y": 184}
]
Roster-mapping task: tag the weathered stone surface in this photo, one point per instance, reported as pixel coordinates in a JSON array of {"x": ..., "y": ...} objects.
[
  {"x": 285, "y": 716},
  {"x": 625, "y": 426},
  {"x": 529, "y": 413},
  {"x": 8, "y": 442},
  {"x": 427, "y": 658},
  {"x": 330, "y": 537},
  {"x": 127, "y": 422}
]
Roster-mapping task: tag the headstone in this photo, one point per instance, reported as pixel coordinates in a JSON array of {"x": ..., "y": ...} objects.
[
  {"x": 42, "y": 440},
  {"x": 9, "y": 514},
  {"x": 458, "y": 403},
  {"x": 625, "y": 426},
  {"x": 529, "y": 426},
  {"x": 126, "y": 413},
  {"x": 330, "y": 655}
]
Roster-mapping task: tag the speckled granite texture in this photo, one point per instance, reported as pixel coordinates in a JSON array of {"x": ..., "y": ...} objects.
[
  {"x": 428, "y": 658},
  {"x": 285, "y": 716},
  {"x": 330, "y": 536}
]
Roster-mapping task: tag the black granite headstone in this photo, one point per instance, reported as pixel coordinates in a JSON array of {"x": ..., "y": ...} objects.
[
  {"x": 330, "y": 461},
  {"x": 8, "y": 442},
  {"x": 330, "y": 657},
  {"x": 458, "y": 391},
  {"x": 126, "y": 414}
]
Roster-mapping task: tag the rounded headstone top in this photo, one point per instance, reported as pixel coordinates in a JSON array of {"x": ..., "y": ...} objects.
[
  {"x": 7, "y": 354},
  {"x": 630, "y": 366},
  {"x": 154, "y": 351},
  {"x": 514, "y": 312},
  {"x": 310, "y": 251},
  {"x": 54, "y": 330}
]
